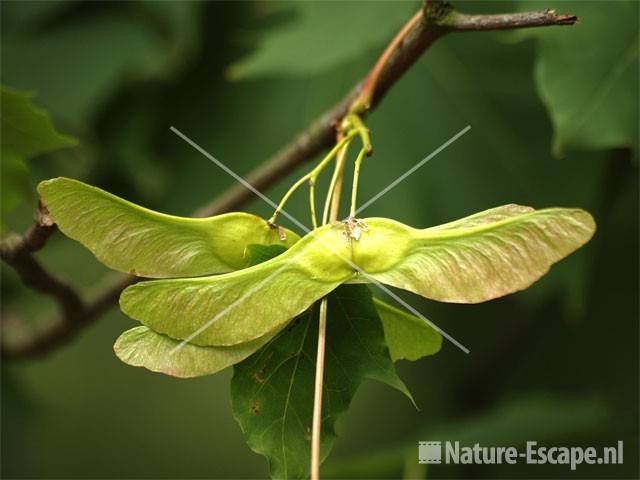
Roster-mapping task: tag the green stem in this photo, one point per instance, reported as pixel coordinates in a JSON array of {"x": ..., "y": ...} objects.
[
  {"x": 313, "y": 174},
  {"x": 316, "y": 430},
  {"x": 356, "y": 178},
  {"x": 353, "y": 121},
  {"x": 312, "y": 203},
  {"x": 332, "y": 202}
]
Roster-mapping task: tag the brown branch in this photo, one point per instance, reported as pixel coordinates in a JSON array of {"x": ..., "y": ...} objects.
[
  {"x": 63, "y": 329},
  {"x": 17, "y": 251},
  {"x": 462, "y": 22},
  {"x": 438, "y": 19}
]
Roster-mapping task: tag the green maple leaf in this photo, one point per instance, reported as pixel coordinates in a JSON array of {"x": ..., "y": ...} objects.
[
  {"x": 407, "y": 336},
  {"x": 25, "y": 131},
  {"x": 298, "y": 47},
  {"x": 588, "y": 77},
  {"x": 272, "y": 391}
]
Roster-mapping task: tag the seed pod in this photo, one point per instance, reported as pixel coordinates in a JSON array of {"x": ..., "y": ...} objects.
[
  {"x": 135, "y": 240},
  {"x": 247, "y": 304},
  {"x": 478, "y": 258},
  {"x": 142, "y": 347},
  {"x": 407, "y": 337}
]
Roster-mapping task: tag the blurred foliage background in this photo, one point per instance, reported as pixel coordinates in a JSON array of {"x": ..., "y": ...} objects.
[{"x": 554, "y": 123}]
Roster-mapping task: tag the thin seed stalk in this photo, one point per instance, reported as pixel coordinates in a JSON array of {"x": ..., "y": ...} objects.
[
  {"x": 317, "y": 397},
  {"x": 332, "y": 202},
  {"x": 312, "y": 175},
  {"x": 356, "y": 178},
  {"x": 330, "y": 214}
]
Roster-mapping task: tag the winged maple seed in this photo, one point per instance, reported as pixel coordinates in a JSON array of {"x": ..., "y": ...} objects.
[{"x": 233, "y": 309}]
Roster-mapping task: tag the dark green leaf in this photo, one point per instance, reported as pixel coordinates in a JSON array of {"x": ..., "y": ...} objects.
[
  {"x": 82, "y": 62},
  {"x": 407, "y": 336},
  {"x": 25, "y": 131},
  {"x": 272, "y": 391},
  {"x": 299, "y": 47},
  {"x": 587, "y": 76},
  {"x": 257, "y": 253}
]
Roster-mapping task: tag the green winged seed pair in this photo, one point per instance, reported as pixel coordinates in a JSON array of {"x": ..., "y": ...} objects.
[{"x": 207, "y": 294}]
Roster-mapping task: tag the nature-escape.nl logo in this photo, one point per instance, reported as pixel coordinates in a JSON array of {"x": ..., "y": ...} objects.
[{"x": 453, "y": 453}]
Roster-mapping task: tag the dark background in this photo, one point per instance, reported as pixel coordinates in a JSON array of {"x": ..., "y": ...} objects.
[{"x": 557, "y": 363}]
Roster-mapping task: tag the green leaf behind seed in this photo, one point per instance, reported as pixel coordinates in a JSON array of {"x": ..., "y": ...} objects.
[
  {"x": 272, "y": 391},
  {"x": 407, "y": 336},
  {"x": 256, "y": 254},
  {"x": 25, "y": 131},
  {"x": 588, "y": 77}
]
